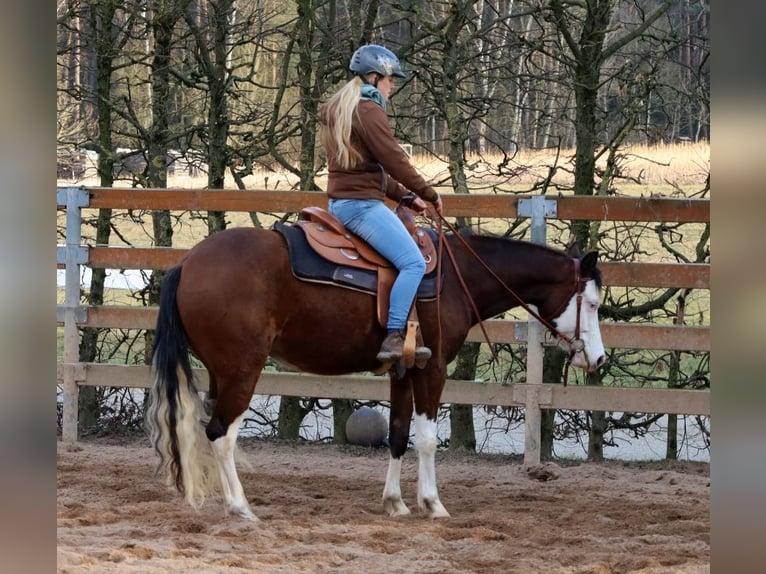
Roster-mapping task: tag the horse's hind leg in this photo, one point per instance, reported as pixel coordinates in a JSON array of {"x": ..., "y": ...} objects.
[
  {"x": 228, "y": 411},
  {"x": 235, "y": 502},
  {"x": 398, "y": 437}
]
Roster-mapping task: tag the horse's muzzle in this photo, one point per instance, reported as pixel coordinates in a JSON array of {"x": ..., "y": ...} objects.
[{"x": 578, "y": 357}]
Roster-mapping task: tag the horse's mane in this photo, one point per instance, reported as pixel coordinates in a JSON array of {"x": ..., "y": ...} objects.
[
  {"x": 495, "y": 240},
  {"x": 487, "y": 237}
]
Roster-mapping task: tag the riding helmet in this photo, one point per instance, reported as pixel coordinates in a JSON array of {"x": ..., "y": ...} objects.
[{"x": 374, "y": 58}]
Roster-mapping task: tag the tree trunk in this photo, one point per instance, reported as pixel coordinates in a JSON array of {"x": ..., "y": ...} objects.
[
  {"x": 309, "y": 78},
  {"x": 671, "y": 449},
  {"x": 291, "y": 415},
  {"x": 462, "y": 432},
  {"x": 100, "y": 37},
  {"x": 597, "y": 425},
  {"x": 218, "y": 115},
  {"x": 341, "y": 410},
  {"x": 553, "y": 366},
  {"x": 157, "y": 143},
  {"x": 674, "y": 375}
]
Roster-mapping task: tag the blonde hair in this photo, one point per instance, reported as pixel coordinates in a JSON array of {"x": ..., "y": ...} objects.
[{"x": 336, "y": 131}]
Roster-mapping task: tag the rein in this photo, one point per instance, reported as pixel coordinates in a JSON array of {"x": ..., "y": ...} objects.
[{"x": 576, "y": 344}]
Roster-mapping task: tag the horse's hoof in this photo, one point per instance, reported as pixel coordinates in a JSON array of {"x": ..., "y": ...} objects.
[
  {"x": 434, "y": 508},
  {"x": 244, "y": 513},
  {"x": 395, "y": 507}
]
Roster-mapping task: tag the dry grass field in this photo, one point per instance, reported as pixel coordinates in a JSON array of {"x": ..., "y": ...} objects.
[
  {"x": 658, "y": 169},
  {"x": 661, "y": 170}
]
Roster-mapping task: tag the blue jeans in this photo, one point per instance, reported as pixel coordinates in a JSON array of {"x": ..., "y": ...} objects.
[{"x": 379, "y": 226}]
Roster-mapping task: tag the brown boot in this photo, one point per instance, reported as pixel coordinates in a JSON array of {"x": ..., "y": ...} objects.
[{"x": 392, "y": 348}]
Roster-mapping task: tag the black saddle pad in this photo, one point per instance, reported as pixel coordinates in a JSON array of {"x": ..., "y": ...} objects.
[{"x": 309, "y": 266}]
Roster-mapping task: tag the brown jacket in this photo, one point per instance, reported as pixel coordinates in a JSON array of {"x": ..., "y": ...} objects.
[{"x": 383, "y": 160}]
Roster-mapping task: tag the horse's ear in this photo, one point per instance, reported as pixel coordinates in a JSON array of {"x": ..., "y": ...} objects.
[{"x": 588, "y": 262}]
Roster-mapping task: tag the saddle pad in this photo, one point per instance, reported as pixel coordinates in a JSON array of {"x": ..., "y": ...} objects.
[{"x": 309, "y": 266}]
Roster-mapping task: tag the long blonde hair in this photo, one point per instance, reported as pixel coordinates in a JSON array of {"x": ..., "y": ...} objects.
[{"x": 335, "y": 131}]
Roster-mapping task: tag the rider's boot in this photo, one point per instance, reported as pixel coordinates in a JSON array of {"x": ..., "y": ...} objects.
[{"x": 392, "y": 349}]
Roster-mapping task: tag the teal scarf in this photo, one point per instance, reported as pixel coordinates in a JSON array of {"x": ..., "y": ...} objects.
[{"x": 370, "y": 92}]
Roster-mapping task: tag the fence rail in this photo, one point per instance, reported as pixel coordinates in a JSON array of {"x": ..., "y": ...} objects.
[{"x": 533, "y": 394}]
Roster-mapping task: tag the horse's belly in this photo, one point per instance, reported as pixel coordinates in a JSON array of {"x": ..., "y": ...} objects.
[{"x": 329, "y": 349}]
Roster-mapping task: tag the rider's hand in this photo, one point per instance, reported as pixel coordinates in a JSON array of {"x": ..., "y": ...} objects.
[
  {"x": 418, "y": 205},
  {"x": 438, "y": 206}
]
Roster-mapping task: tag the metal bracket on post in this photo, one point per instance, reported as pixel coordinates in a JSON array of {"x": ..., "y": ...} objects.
[
  {"x": 538, "y": 204},
  {"x": 72, "y": 197},
  {"x": 538, "y": 208}
]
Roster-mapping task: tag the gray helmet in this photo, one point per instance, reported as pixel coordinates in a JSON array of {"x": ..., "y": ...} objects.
[{"x": 373, "y": 58}]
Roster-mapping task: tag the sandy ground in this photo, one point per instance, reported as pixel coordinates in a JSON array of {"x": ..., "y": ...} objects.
[{"x": 320, "y": 510}]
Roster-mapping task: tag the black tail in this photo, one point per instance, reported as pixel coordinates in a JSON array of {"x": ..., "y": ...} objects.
[{"x": 171, "y": 351}]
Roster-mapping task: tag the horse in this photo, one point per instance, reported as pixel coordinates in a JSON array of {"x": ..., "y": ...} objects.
[{"x": 234, "y": 302}]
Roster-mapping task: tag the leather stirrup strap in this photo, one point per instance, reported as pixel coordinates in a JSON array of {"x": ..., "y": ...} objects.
[
  {"x": 410, "y": 341},
  {"x": 386, "y": 278}
]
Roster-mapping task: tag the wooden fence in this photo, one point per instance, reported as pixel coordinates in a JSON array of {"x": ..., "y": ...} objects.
[{"x": 532, "y": 395}]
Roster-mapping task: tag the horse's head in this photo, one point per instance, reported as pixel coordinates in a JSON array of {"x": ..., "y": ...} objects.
[{"x": 577, "y": 325}]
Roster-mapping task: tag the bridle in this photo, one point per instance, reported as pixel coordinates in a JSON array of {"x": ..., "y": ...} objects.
[{"x": 575, "y": 344}]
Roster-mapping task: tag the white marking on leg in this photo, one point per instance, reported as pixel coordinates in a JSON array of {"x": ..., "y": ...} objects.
[
  {"x": 235, "y": 501},
  {"x": 425, "y": 443},
  {"x": 392, "y": 493}
]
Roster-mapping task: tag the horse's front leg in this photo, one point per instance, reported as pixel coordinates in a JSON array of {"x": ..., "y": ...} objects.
[
  {"x": 398, "y": 436},
  {"x": 425, "y": 443}
]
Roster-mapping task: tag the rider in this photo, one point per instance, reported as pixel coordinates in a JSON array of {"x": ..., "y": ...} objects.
[{"x": 366, "y": 164}]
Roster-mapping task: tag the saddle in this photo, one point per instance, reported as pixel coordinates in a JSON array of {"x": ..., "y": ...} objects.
[
  {"x": 332, "y": 241},
  {"x": 329, "y": 238}
]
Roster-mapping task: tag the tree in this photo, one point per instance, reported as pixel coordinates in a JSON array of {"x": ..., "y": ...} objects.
[{"x": 94, "y": 35}]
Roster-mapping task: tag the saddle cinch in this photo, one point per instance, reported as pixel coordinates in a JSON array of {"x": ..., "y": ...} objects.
[{"x": 332, "y": 241}]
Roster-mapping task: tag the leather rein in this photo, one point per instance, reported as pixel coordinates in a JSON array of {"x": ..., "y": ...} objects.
[{"x": 576, "y": 344}]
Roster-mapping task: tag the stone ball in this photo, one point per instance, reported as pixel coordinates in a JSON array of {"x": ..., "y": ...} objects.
[{"x": 367, "y": 427}]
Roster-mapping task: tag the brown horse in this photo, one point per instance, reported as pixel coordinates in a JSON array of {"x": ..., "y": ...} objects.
[{"x": 234, "y": 302}]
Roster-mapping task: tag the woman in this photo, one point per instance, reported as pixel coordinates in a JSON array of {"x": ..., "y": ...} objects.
[{"x": 365, "y": 165}]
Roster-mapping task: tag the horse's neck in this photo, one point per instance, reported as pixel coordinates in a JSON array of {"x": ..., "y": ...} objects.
[{"x": 525, "y": 269}]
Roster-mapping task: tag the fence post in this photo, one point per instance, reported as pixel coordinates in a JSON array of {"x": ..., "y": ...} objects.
[
  {"x": 72, "y": 255},
  {"x": 537, "y": 208}
]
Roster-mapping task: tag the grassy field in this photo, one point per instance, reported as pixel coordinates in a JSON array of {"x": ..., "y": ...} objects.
[
  {"x": 658, "y": 169},
  {"x": 662, "y": 170}
]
